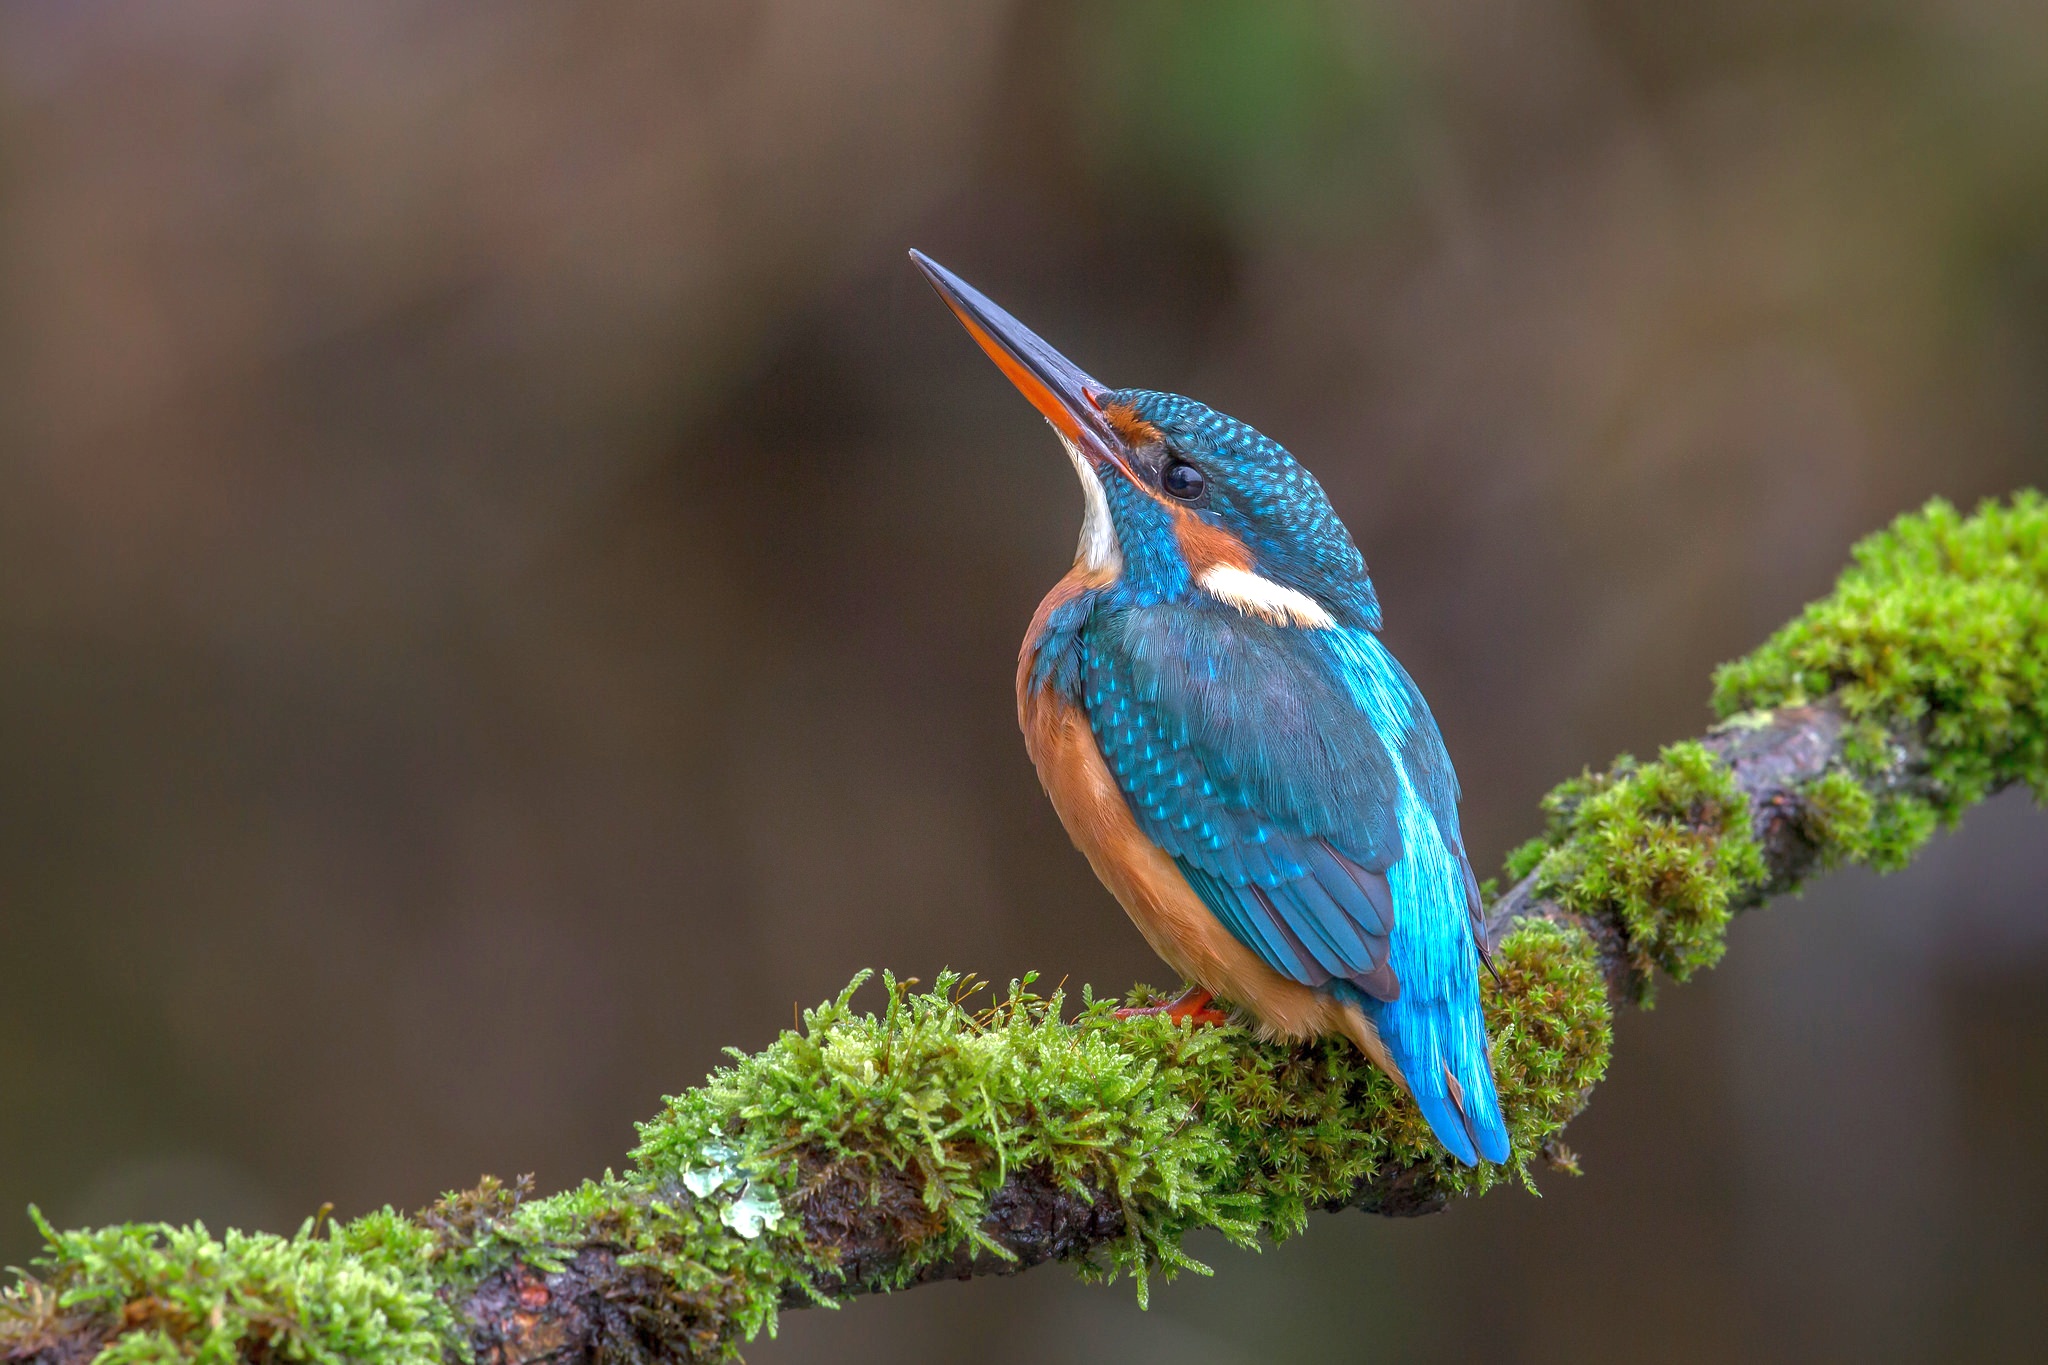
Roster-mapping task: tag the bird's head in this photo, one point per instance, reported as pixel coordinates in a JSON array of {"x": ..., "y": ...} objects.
[{"x": 1179, "y": 499}]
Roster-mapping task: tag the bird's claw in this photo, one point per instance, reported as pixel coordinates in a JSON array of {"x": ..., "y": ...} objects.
[{"x": 1195, "y": 1005}]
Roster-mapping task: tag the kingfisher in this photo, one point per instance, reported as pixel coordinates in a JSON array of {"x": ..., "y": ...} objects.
[{"x": 1243, "y": 763}]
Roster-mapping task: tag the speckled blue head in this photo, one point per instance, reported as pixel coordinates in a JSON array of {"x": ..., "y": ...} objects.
[
  {"x": 1179, "y": 499},
  {"x": 1249, "y": 488}
]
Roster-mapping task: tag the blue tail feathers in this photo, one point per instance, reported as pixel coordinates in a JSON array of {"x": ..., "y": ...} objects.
[{"x": 1441, "y": 1048}]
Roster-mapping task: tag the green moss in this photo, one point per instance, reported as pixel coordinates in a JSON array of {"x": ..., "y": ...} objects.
[
  {"x": 1552, "y": 1031},
  {"x": 1839, "y": 817},
  {"x": 353, "y": 1292},
  {"x": 949, "y": 1099},
  {"x": 1181, "y": 1127},
  {"x": 1661, "y": 849},
  {"x": 1523, "y": 858},
  {"x": 1848, "y": 824},
  {"x": 1939, "y": 631},
  {"x": 714, "y": 1286},
  {"x": 1934, "y": 643}
]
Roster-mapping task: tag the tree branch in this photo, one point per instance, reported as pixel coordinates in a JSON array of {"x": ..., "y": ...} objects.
[
  {"x": 940, "y": 1138},
  {"x": 1774, "y": 759}
]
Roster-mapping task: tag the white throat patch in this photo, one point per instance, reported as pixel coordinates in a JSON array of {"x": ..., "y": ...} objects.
[
  {"x": 1098, "y": 551},
  {"x": 1262, "y": 597}
]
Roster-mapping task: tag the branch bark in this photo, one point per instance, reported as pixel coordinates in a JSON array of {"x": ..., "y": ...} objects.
[
  {"x": 583, "y": 1299},
  {"x": 1772, "y": 760},
  {"x": 578, "y": 1314}
]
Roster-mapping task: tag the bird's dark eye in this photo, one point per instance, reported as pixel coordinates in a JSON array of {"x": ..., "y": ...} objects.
[{"x": 1184, "y": 481}]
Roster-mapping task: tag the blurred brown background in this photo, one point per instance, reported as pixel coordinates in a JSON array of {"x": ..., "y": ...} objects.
[{"x": 508, "y": 581}]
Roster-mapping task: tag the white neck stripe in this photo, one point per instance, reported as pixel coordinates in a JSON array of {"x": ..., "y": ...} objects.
[
  {"x": 1098, "y": 551},
  {"x": 1262, "y": 597}
]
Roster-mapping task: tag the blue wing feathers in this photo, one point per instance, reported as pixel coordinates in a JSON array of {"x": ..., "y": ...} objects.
[
  {"x": 1301, "y": 784},
  {"x": 1332, "y": 868},
  {"x": 1241, "y": 911},
  {"x": 1261, "y": 717}
]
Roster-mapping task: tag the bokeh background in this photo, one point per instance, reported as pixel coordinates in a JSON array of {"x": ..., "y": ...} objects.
[{"x": 509, "y": 582}]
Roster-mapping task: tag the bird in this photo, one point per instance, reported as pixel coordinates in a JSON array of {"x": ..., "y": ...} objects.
[{"x": 1246, "y": 767}]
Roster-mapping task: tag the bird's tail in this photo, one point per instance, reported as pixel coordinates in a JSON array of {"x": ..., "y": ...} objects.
[
  {"x": 1440, "y": 1046},
  {"x": 1434, "y": 1030}
]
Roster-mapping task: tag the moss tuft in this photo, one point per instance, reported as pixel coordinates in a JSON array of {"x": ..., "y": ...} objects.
[
  {"x": 463, "y": 1224},
  {"x": 1663, "y": 850},
  {"x": 953, "y": 1099},
  {"x": 1180, "y": 1128},
  {"x": 1939, "y": 631},
  {"x": 1839, "y": 815},
  {"x": 1846, "y": 823},
  {"x": 1552, "y": 1032},
  {"x": 350, "y": 1292},
  {"x": 702, "y": 1285}
]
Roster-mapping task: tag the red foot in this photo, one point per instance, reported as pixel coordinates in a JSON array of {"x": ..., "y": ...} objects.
[{"x": 1194, "y": 1003}]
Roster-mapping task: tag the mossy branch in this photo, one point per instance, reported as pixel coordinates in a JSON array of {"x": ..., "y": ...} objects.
[{"x": 949, "y": 1134}]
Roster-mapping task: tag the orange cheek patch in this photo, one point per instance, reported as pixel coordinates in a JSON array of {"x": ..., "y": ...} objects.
[{"x": 1207, "y": 547}]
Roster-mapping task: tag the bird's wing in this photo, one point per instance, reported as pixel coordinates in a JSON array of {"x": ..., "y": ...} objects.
[
  {"x": 1383, "y": 689},
  {"x": 1246, "y": 755}
]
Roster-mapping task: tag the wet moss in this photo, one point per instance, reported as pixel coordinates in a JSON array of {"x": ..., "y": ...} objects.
[
  {"x": 1180, "y": 1128},
  {"x": 1552, "y": 1032}
]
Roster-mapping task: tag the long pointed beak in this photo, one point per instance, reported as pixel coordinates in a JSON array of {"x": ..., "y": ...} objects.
[{"x": 1057, "y": 387}]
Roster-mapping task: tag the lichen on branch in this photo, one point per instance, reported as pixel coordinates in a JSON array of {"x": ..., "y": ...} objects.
[{"x": 948, "y": 1132}]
